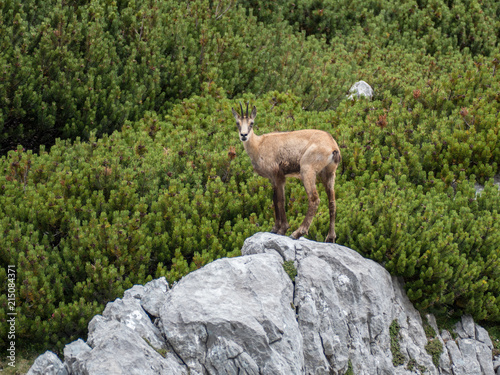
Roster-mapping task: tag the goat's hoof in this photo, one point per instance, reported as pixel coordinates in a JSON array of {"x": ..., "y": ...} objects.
[
  {"x": 283, "y": 230},
  {"x": 297, "y": 234},
  {"x": 330, "y": 238}
]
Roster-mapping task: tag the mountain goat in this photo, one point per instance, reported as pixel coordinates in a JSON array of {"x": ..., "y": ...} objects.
[{"x": 304, "y": 154}]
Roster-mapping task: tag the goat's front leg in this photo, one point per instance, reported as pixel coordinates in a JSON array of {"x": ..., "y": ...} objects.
[
  {"x": 309, "y": 179},
  {"x": 280, "y": 223},
  {"x": 331, "y": 236}
]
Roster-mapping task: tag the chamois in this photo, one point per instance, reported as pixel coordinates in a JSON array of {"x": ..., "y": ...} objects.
[{"x": 304, "y": 154}]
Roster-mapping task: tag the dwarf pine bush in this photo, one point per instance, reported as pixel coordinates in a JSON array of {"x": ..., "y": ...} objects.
[{"x": 70, "y": 69}]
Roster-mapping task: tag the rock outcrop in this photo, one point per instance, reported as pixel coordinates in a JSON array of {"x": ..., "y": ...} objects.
[
  {"x": 342, "y": 314},
  {"x": 345, "y": 306},
  {"x": 470, "y": 352},
  {"x": 359, "y": 89},
  {"x": 479, "y": 188}
]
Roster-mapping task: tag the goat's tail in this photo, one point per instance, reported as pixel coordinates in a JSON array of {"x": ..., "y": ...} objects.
[{"x": 336, "y": 156}]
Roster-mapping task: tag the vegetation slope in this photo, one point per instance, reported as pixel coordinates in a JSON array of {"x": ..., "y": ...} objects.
[{"x": 129, "y": 166}]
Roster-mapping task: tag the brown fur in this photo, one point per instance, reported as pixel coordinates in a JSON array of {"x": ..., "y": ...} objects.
[{"x": 304, "y": 154}]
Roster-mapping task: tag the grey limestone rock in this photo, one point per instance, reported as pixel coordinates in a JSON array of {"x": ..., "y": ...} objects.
[
  {"x": 244, "y": 315},
  {"x": 480, "y": 188},
  {"x": 444, "y": 359},
  {"x": 468, "y": 326},
  {"x": 155, "y": 295},
  {"x": 118, "y": 349},
  {"x": 268, "y": 243},
  {"x": 73, "y": 355},
  {"x": 359, "y": 89},
  {"x": 48, "y": 364},
  {"x": 471, "y": 352},
  {"x": 346, "y": 304},
  {"x": 483, "y": 336},
  {"x": 456, "y": 358},
  {"x": 123, "y": 341},
  {"x": 130, "y": 312},
  {"x": 496, "y": 364},
  {"x": 235, "y": 316},
  {"x": 137, "y": 291}
]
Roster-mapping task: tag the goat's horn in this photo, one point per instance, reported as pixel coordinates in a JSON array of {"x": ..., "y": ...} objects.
[
  {"x": 247, "y": 109},
  {"x": 241, "y": 109}
]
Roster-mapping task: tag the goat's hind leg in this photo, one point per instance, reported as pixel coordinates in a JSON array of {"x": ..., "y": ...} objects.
[
  {"x": 280, "y": 223},
  {"x": 309, "y": 180},
  {"x": 328, "y": 179}
]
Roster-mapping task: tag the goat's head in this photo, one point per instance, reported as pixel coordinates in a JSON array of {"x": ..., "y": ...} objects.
[{"x": 245, "y": 122}]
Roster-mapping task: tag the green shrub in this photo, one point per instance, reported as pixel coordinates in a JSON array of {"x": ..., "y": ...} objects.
[
  {"x": 70, "y": 69},
  {"x": 436, "y": 26},
  {"x": 435, "y": 348},
  {"x": 290, "y": 269},
  {"x": 398, "y": 357},
  {"x": 87, "y": 220}
]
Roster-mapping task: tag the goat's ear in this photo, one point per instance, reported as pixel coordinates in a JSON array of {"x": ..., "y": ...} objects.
[
  {"x": 254, "y": 113},
  {"x": 235, "y": 114}
]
